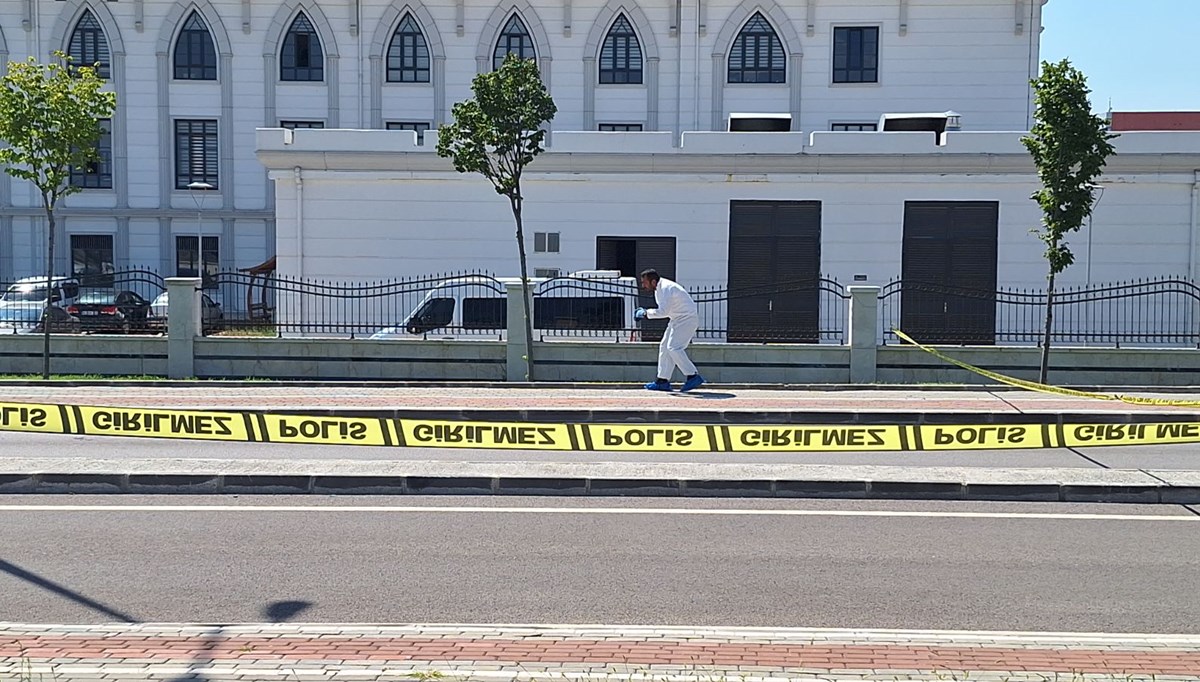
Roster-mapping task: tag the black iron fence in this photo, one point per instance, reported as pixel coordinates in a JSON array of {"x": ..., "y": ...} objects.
[
  {"x": 802, "y": 311},
  {"x": 473, "y": 304},
  {"x": 1148, "y": 312},
  {"x": 120, "y": 301},
  {"x": 458, "y": 303}
]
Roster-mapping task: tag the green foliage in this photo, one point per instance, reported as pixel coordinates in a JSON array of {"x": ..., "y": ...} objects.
[
  {"x": 1070, "y": 147},
  {"x": 499, "y": 132},
  {"x": 50, "y": 118}
]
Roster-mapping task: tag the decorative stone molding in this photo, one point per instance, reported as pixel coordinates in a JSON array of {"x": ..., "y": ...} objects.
[
  {"x": 903, "y": 17},
  {"x": 437, "y": 55},
  {"x": 650, "y": 59},
  {"x": 791, "y": 46},
  {"x": 810, "y": 20},
  {"x": 533, "y": 23}
]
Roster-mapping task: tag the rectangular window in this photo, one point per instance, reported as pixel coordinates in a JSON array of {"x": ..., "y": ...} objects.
[
  {"x": 92, "y": 259},
  {"x": 853, "y": 127},
  {"x": 97, "y": 174},
  {"x": 620, "y": 127},
  {"x": 548, "y": 273},
  {"x": 186, "y": 262},
  {"x": 196, "y": 155},
  {"x": 856, "y": 54},
  {"x": 545, "y": 242},
  {"x": 294, "y": 125},
  {"x": 417, "y": 126}
]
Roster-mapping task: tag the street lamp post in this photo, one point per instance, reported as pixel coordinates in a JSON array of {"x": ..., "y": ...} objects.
[{"x": 194, "y": 188}]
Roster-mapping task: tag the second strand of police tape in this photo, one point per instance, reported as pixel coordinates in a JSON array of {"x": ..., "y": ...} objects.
[{"x": 256, "y": 427}]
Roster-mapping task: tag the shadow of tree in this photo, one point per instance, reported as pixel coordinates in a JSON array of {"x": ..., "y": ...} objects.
[{"x": 274, "y": 612}]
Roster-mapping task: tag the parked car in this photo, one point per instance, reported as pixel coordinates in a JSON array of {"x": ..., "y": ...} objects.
[
  {"x": 212, "y": 317},
  {"x": 27, "y": 319},
  {"x": 590, "y": 304},
  {"x": 33, "y": 290},
  {"x": 109, "y": 310}
]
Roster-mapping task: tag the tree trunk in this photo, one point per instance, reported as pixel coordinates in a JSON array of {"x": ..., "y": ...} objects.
[
  {"x": 1045, "y": 368},
  {"x": 515, "y": 200},
  {"x": 49, "y": 290}
]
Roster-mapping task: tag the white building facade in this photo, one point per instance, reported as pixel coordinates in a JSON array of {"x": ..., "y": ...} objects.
[{"x": 195, "y": 79}]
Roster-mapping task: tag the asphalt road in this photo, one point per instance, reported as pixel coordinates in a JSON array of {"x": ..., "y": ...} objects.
[
  {"x": 1182, "y": 457},
  {"x": 1115, "y": 568}
]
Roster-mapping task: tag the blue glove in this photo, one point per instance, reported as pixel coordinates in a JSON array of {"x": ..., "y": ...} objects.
[{"x": 639, "y": 314}]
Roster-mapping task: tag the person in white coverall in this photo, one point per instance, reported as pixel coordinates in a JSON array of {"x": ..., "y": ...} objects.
[{"x": 675, "y": 303}]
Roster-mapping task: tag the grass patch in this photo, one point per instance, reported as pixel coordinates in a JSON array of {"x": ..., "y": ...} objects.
[{"x": 261, "y": 331}]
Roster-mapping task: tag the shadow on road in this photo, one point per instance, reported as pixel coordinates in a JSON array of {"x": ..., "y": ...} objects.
[
  {"x": 65, "y": 592},
  {"x": 706, "y": 395},
  {"x": 275, "y": 612}
]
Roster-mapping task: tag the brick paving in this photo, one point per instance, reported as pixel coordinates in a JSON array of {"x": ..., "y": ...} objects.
[
  {"x": 598, "y": 398},
  {"x": 132, "y": 652}
]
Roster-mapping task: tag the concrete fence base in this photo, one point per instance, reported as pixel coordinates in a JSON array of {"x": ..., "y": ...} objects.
[{"x": 185, "y": 354}]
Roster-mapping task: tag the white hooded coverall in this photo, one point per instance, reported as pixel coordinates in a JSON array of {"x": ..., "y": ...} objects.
[{"x": 676, "y": 303}]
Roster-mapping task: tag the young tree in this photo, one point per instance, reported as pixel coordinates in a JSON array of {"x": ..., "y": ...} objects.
[
  {"x": 497, "y": 134},
  {"x": 1070, "y": 147},
  {"x": 50, "y": 119}
]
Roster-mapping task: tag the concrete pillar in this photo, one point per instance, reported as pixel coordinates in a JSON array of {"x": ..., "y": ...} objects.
[
  {"x": 518, "y": 368},
  {"x": 183, "y": 326},
  {"x": 864, "y": 333}
]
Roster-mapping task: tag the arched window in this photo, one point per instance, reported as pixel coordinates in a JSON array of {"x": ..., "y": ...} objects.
[
  {"x": 757, "y": 54},
  {"x": 302, "y": 59},
  {"x": 514, "y": 38},
  {"x": 408, "y": 54},
  {"x": 195, "y": 54},
  {"x": 89, "y": 46},
  {"x": 621, "y": 54}
]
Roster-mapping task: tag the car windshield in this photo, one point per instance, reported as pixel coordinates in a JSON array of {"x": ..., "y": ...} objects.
[{"x": 25, "y": 292}]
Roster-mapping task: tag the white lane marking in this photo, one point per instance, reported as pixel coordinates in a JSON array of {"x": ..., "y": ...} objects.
[{"x": 616, "y": 511}]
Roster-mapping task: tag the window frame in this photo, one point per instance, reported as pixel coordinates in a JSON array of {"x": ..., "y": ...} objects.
[
  {"x": 300, "y": 124},
  {"x": 414, "y": 126},
  {"x": 525, "y": 36},
  {"x": 620, "y": 127},
  {"x": 547, "y": 242},
  {"x": 847, "y": 78},
  {"x": 312, "y": 46},
  {"x": 98, "y": 43},
  {"x": 773, "y": 75},
  {"x": 185, "y": 177},
  {"x": 199, "y": 44},
  {"x": 82, "y": 177},
  {"x": 209, "y": 266},
  {"x": 853, "y": 127},
  {"x": 89, "y": 278},
  {"x": 409, "y": 56},
  {"x": 626, "y": 49}
]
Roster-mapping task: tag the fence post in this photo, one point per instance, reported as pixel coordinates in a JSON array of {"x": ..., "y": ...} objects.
[
  {"x": 183, "y": 326},
  {"x": 864, "y": 334},
  {"x": 517, "y": 366}
]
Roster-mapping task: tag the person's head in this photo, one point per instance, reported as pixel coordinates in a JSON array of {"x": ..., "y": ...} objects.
[{"x": 649, "y": 278}]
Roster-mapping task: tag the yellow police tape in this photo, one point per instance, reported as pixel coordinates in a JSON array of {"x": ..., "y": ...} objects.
[
  {"x": 280, "y": 428},
  {"x": 1045, "y": 388}
]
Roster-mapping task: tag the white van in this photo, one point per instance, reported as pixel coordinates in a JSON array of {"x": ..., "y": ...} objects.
[
  {"x": 591, "y": 304},
  {"x": 32, "y": 290}
]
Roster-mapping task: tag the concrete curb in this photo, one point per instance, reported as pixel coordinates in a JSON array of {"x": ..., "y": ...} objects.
[
  {"x": 211, "y": 382},
  {"x": 349, "y": 477}
]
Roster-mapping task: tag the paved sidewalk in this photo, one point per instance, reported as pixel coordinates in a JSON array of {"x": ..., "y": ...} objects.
[
  {"x": 712, "y": 402},
  {"x": 535, "y": 653}
]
